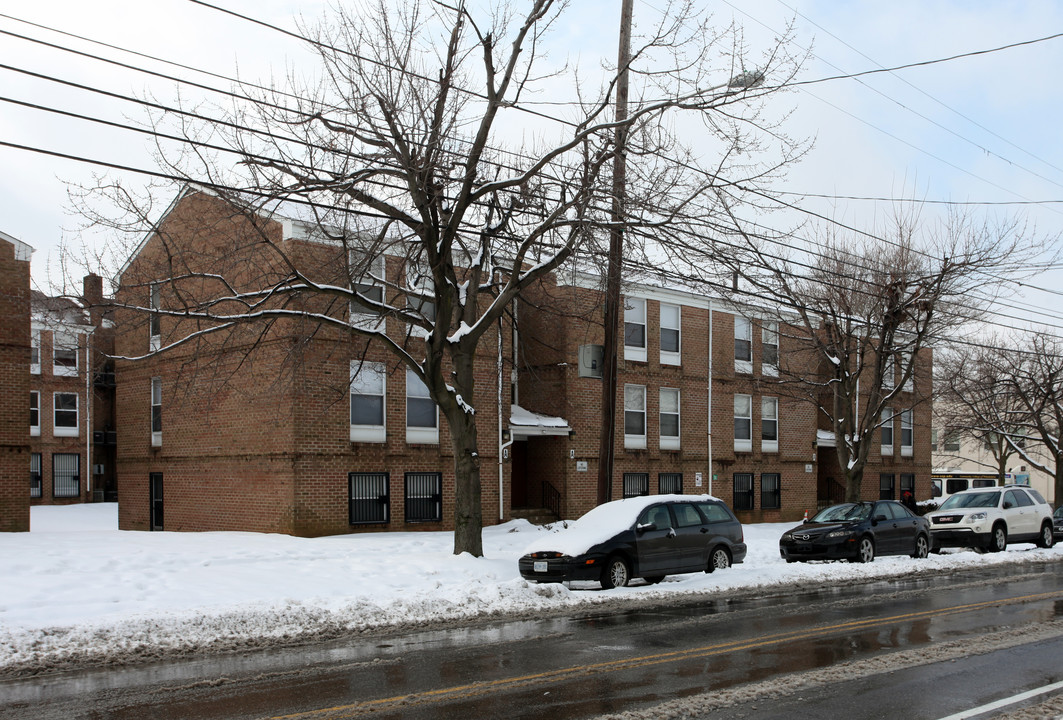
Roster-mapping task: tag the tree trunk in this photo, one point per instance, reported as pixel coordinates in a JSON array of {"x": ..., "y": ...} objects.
[{"x": 468, "y": 510}]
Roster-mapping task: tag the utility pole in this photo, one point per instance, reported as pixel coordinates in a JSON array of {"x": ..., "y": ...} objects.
[{"x": 616, "y": 254}]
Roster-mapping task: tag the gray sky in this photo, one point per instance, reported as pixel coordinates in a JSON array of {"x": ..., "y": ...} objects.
[{"x": 980, "y": 129}]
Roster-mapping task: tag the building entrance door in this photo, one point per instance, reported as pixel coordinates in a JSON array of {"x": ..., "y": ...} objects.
[{"x": 155, "y": 491}]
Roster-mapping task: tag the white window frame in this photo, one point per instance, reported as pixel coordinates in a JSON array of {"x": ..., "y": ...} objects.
[
  {"x": 418, "y": 392},
  {"x": 420, "y": 295},
  {"x": 743, "y": 444},
  {"x": 769, "y": 337},
  {"x": 35, "y": 409},
  {"x": 670, "y": 397},
  {"x": 57, "y": 430},
  {"x": 633, "y": 396},
  {"x": 907, "y": 427},
  {"x": 372, "y": 280},
  {"x": 369, "y": 379},
  {"x": 743, "y": 333},
  {"x": 156, "y": 411},
  {"x": 886, "y": 425},
  {"x": 154, "y": 318},
  {"x": 672, "y": 320},
  {"x": 769, "y": 413},
  {"x": 67, "y": 343},
  {"x": 35, "y": 351},
  {"x": 635, "y": 315}
]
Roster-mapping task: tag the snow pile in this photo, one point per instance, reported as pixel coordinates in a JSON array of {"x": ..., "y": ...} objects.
[{"x": 76, "y": 590}]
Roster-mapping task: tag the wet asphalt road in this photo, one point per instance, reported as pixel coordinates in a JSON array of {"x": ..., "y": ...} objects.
[{"x": 592, "y": 665}]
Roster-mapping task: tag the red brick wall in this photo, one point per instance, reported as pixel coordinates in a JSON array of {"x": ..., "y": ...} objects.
[{"x": 14, "y": 390}]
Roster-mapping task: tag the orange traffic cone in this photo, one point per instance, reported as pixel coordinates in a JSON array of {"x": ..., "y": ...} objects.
[{"x": 806, "y": 514}]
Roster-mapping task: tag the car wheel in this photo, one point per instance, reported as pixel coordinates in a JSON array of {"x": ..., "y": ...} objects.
[
  {"x": 653, "y": 580},
  {"x": 998, "y": 541},
  {"x": 719, "y": 560},
  {"x": 922, "y": 547},
  {"x": 616, "y": 573},
  {"x": 865, "y": 551},
  {"x": 1047, "y": 538}
]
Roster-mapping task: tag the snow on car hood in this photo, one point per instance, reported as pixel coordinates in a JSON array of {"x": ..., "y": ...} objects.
[{"x": 600, "y": 524}]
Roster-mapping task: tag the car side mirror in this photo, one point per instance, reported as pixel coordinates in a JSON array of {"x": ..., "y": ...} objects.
[
  {"x": 1007, "y": 505},
  {"x": 880, "y": 518},
  {"x": 644, "y": 527}
]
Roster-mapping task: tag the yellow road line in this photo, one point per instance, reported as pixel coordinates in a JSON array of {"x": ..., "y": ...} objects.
[{"x": 459, "y": 692}]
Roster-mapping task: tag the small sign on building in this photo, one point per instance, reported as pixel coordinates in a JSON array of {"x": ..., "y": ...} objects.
[{"x": 581, "y": 466}]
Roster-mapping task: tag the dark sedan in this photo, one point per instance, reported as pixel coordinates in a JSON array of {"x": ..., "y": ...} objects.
[
  {"x": 857, "y": 532},
  {"x": 648, "y": 537}
]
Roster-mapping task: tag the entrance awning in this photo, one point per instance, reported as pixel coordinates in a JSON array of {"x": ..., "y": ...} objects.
[
  {"x": 525, "y": 423},
  {"x": 825, "y": 438}
]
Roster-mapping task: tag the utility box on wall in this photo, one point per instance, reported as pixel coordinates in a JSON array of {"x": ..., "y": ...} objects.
[{"x": 590, "y": 360}]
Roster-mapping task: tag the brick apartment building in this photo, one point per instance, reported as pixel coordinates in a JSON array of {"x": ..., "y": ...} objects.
[
  {"x": 14, "y": 382},
  {"x": 310, "y": 431},
  {"x": 72, "y": 431}
]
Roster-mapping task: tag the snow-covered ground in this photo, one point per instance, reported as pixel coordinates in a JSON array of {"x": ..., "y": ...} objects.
[{"x": 76, "y": 590}]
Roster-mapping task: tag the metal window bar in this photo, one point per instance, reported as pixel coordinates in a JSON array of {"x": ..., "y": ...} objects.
[
  {"x": 670, "y": 483},
  {"x": 35, "y": 475},
  {"x": 66, "y": 475},
  {"x": 424, "y": 497},
  {"x": 369, "y": 498},
  {"x": 743, "y": 491},
  {"x": 770, "y": 491},
  {"x": 636, "y": 484}
]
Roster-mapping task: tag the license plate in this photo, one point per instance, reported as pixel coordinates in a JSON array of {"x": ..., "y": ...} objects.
[{"x": 540, "y": 566}]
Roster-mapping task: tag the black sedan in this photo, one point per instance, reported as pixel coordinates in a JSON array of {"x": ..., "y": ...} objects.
[
  {"x": 857, "y": 532},
  {"x": 648, "y": 537}
]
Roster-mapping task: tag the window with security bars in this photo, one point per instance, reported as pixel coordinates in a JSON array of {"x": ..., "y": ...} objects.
[
  {"x": 66, "y": 475},
  {"x": 636, "y": 484},
  {"x": 424, "y": 497},
  {"x": 369, "y": 498},
  {"x": 743, "y": 491},
  {"x": 770, "y": 491},
  {"x": 35, "y": 475},
  {"x": 670, "y": 483}
]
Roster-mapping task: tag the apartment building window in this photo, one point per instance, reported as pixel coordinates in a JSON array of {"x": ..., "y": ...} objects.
[
  {"x": 769, "y": 424},
  {"x": 886, "y": 420},
  {"x": 635, "y": 329},
  {"x": 368, "y": 385},
  {"x": 886, "y": 486},
  {"x": 636, "y": 484},
  {"x": 369, "y": 284},
  {"x": 65, "y": 416},
  {"x": 743, "y": 345},
  {"x": 889, "y": 373},
  {"x": 156, "y": 412},
  {"x": 743, "y": 423},
  {"x": 154, "y": 318},
  {"x": 422, "y": 415},
  {"x": 420, "y": 295},
  {"x": 670, "y": 483},
  {"x": 770, "y": 491},
  {"x": 909, "y": 383},
  {"x": 423, "y": 497},
  {"x": 35, "y": 475},
  {"x": 64, "y": 355},
  {"x": 635, "y": 416},
  {"x": 670, "y": 335},
  {"x": 908, "y": 485},
  {"x": 906, "y": 433},
  {"x": 743, "y": 491},
  {"x": 35, "y": 413},
  {"x": 669, "y": 417},
  {"x": 934, "y": 441},
  {"x": 35, "y": 353},
  {"x": 769, "y": 349},
  {"x": 66, "y": 475},
  {"x": 951, "y": 443},
  {"x": 368, "y": 498}
]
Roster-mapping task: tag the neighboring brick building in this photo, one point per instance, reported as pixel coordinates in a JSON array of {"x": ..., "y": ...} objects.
[
  {"x": 14, "y": 382},
  {"x": 72, "y": 432},
  {"x": 310, "y": 431}
]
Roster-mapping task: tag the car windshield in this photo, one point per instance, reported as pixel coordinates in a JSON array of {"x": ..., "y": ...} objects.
[
  {"x": 843, "y": 513},
  {"x": 971, "y": 500}
]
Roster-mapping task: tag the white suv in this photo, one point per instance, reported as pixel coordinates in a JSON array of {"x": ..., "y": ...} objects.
[{"x": 989, "y": 518}]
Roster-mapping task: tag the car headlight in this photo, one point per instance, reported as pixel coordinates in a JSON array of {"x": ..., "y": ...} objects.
[
  {"x": 839, "y": 533},
  {"x": 977, "y": 517}
]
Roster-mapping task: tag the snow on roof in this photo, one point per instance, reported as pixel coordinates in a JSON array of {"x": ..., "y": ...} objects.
[
  {"x": 525, "y": 422},
  {"x": 601, "y": 523}
]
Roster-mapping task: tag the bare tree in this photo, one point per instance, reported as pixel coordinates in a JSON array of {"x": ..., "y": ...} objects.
[
  {"x": 868, "y": 309},
  {"x": 407, "y": 144}
]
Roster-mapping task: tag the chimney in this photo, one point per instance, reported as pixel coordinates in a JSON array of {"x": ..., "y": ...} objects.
[{"x": 92, "y": 295}]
